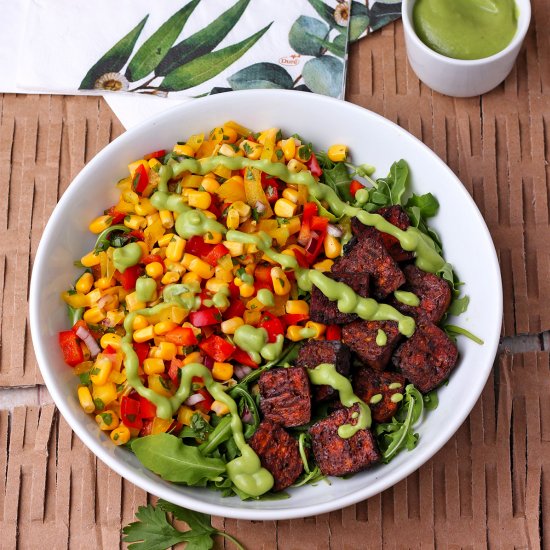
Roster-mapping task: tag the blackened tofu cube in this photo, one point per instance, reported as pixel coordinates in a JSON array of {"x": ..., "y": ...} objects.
[
  {"x": 360, "y": 336},
  {"x": 367, "y": 383},
  {"x": 286, "y": 396},
  {"x": 316, "y": 352},
  {"x": 427, "y": 358},
  {"x": 336, "y": 456},
  {"x": 434, "y": 294},
  {"x": 323, "y": 310},
  {"x": 367, "y": 254},
  {"x": 278, "y": 452}
]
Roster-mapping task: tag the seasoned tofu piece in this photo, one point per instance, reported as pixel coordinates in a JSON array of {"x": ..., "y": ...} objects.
[
  {"x": 427, "y": 358},
  {"x": 278, "y": 452},
  {"x": 315, "y": 352},
  {"x": 286, "y": 396},
  {"x": 398, "y": 217},
  {"x": 367, "y": 383},
  {"x": 323, "y": 310},
  {"x": 367, "y": 254},
  {"x": 434, "y": 294},
  {"x": 360, "y": 336},
  {"x": 336, "y": 456}
]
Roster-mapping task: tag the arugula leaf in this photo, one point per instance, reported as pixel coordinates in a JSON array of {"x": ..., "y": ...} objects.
[
  {"x": 425, "y": 206},
  {"x": 452, "y": 331},
  {"x": 153, "y": 531},
  {"x": 75, "y": 314},
  {"x": 104, "y": 240},
  {"x": 222, "y": 432},
  {"x": 431, "y": 401},
  {"x": 458, "y": 305},
  {"x": 339, "y": 180},
  {"x": 167, "y": 456}
]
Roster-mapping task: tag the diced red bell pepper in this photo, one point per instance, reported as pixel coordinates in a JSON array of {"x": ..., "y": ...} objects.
[
  {"x": 334, "y": 332},
  {"x": 205, "y": 317},
  {"x": 236, "y": 309},
  {"x": 173, "y": 371},
  {"x": 262, "y": 274},
  {"x": 315, "y": 245},
  {"x": 313, "y": 166},
  {"x": 181, "y": 336},
  {"x": 109, "y": 350},
  {"x": 142, "y": 351},
  {"x": 272, "y": 325},
  {"x": 130, "y": 412},
  {"x": 147, "y": 428},
  {"x": 234, "y": 290},
  {"x": 140, "y": 180},
  {"x": 151, "y": 258},
  {"x": 294, "y": 318},
  {"x": 319, "y": 223},
  {"x": 301, "y": 259},
  {"x": 175, "y": 427},
  {"x": 116, "y": 216},
  {"x": 146, "y": 408},
  {"x": 137, "y": 234},
  {"x": 354, "y": 186},
  {"x": 217, "y": 348},
  {"x": 70, "y": 347},
  {"x": 155, "y": 154},
  {"x": 215, "y": 254},
  {"x": 214, "y": 209},
  {"x": 242, "y": 357},
  {"x": 129, "y": 277},
  {"x": 310, "y": 210},
  {"x": 206, "y": 403},
  {"x": 196, "y": 246}
]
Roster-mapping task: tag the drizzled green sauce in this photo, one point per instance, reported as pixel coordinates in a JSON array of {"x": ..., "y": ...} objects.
[{"x": 407, "y": 298}]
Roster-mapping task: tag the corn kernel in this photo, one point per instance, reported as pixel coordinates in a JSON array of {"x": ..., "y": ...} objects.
[
  {"x": 75, "y": 300},
  {"x": 163, "y": 327},
  {"x": 174, "y": 251},
  {"x": 291, "y": 194},
  {"x": 201, "y": 268},
  {"x": 104, "y": 395},
  {"x": 170, "y": 277},
  {"x": 120, "y": 435},
  {"x": 111, "y": 339},
  {"x": 144, "y": 207},
  {"x": 337, "y": 153},
  {"x": 85, "y": 399},
  {"x": 159, "y": 385},
  {"x": 251, "y": 149},
  {"x": 107, "y": 420},
  {"x": 332, "y": 246},
  {"x": 84, "y": 283},
  {"x": 135, "y": 222},
  {"x": 144, "y": 334},
  {"x": 191, "y": 277},
  {"x": 165, "y": 239},
  {"x": 281, "y": 285},
  {"x": 151, "y": 219},
  {"x": 115, "y": 317},
  {"x": 231, "y": 325},
  {"x": 303, "y": 153},
  {"x": 153, "y": 365},
  {"x": 296, "y": 166},
  {"x": 154, "y": 270},
  {"x": 289, "y": 148},
  {"x": 185, "y": 414},
  {"x": 219, "y": 408},
  {"x": 90, "y": 259},
  {"x": 94, "y": 315},
  {"x": 100, "y": 224},
  {"x": 285, "y": 208},
  {"x": 187, "y": 259},
  {"x": 104, "y": 283},
  {"x": 229, "y": 135},
  {"x": 130, "y": 196},
  {"x": 210, "y": 185},
  {"x": 323, "y": 266},
  {"x": 94, "y": 296},
  {"x": 101, "y": 370},
  {"x": 227, "y": 151},
  {"x": 295, "y": 333},
  {"x": 140, "y": 321},
  {"x": 167, "y": 351},
  {"x": 199, "y": 199},
  {"x": 213, "y": 237},
  {"x": 233, "y": 219},
  {"x": 144, "y": 247},
  {"x": 184, "y": 150},
  {"x": 166, "y": 218},
  {"x": 246, "y": 290},
  {"x": 132, "y": 302},
  {"x": 222, "y": 371},
  {"x": 319, "y": 328},
  {"x": 154, "y": 164},
  {"x": 193, "y": 357},
  {"x": 235, "y": 249},
  {"x": 297, "y": 307}
]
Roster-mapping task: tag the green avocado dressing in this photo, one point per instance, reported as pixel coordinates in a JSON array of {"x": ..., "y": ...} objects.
[
  {"x": 407, "y": 298},
  {"x": 326, "y": 374},
  {"x": 381, "y": 338},
  {"x": 145, "y": 289},
  {"x": 246, "y": 471},
  {"x": 465, "y": 29},
  {"x": 255, "y": 342},
  {"x": 126, "y": 256}
]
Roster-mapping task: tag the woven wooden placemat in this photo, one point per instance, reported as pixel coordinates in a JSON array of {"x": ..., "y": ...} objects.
[{"x": 488, "y": 487}]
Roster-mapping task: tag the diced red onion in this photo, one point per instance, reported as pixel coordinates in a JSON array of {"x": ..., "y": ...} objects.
[
  {"x": 86, "y": 336},
  {"x": 104, "y": 300},
  {"x": 247, "y": 417},
  {"x": 208, "y": 362},
  {"x": 194, "y": 399},
  {"x": 334, "y": 230},
  {"x": 241, "y": 371},
  {"x": 260, "y": 207},
  {"x": 312, "y": 244}
]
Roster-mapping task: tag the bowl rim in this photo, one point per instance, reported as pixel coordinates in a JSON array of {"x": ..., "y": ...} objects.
[
  {"x": 432, "y": 446},
  {"x": 524, "y": 19}
]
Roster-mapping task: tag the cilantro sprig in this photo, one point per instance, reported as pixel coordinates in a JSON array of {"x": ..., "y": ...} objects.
[{"x": 153, "y": 530}]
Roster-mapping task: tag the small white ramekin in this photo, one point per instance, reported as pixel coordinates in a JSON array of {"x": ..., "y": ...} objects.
[{"x": 458, "y": 77}]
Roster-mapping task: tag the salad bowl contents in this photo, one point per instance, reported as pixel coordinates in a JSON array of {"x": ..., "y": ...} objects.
[{"x": 255, "y": 315}]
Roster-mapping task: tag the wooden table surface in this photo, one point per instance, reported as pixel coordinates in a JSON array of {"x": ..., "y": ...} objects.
[{"x": 488, "y": 487}]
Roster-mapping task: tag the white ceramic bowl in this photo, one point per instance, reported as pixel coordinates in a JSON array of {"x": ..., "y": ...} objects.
[
  {"x": 459, "y": 77},
  {"x": 324, "y": 121}
]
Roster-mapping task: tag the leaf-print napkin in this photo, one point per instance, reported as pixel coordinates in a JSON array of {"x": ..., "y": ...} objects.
[{"x": 185, "y": 48}]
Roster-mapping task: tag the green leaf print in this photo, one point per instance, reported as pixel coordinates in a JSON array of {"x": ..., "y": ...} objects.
[
  {"x": 324, "y": 75},
  {"x": 261, "y": 75},
  {"x": 307, "y": 35}
]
